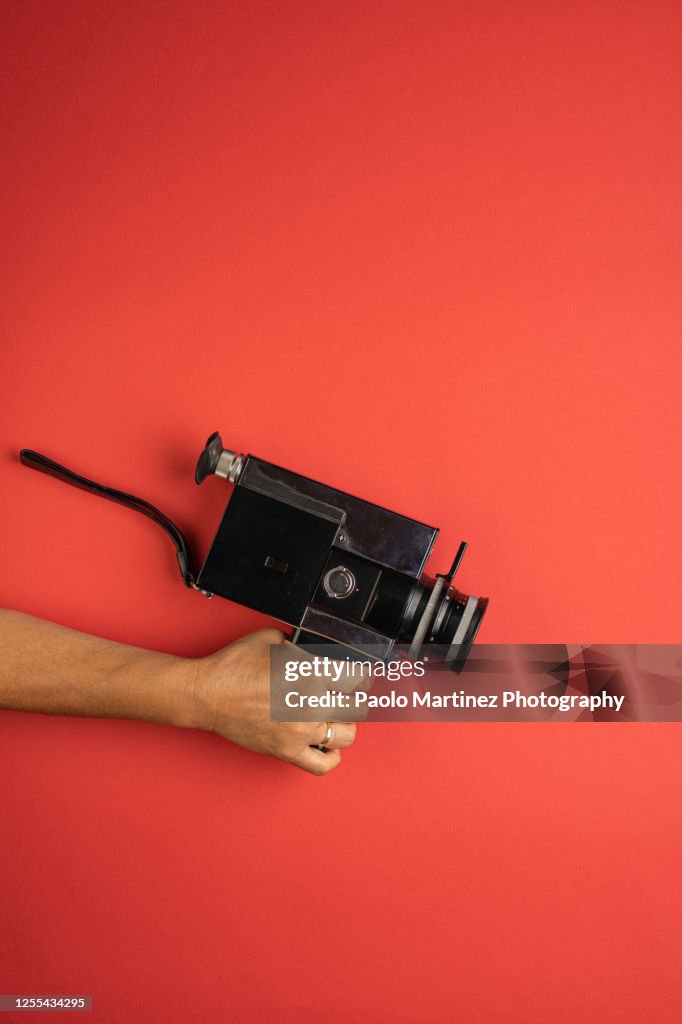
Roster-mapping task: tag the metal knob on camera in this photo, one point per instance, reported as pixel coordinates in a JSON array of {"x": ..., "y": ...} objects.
[
  {"x": 218, "y": 460},
  {"x": 339, "y": 582}
]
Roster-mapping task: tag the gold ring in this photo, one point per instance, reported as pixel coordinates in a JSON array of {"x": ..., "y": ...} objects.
[{"x": 329, "y": 735}]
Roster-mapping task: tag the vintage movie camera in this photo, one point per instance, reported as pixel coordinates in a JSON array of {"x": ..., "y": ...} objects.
[{"x": 336, "y": 568}]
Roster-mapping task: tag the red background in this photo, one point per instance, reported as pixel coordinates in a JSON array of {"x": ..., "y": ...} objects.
[{"x": 428, "y": 253}]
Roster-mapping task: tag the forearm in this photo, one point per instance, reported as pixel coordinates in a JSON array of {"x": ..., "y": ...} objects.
[
  {"x": 48, "y": 668},
  {"x": 55, "y": 670}
]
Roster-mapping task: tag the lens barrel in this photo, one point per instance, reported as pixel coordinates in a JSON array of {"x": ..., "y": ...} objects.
[{"x": 443, "y": 617}]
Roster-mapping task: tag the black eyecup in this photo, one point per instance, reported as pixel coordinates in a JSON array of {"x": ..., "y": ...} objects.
[{"x": 208, "y": 460}]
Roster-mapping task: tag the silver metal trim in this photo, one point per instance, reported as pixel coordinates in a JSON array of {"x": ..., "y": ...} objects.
[
  {"x": 229, "y": 466},
  {"x": 427, "y": 616},
  {"x": 461, "y": 631}
]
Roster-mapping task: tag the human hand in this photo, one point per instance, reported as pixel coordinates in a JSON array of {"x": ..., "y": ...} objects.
[{"x": 230, "y": 695}]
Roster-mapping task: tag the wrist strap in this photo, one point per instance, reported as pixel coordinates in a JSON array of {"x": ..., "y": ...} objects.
[{"x": 40, "y": 462}]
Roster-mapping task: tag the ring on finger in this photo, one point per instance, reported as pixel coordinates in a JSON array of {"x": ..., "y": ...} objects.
[{"x": 329, "y": 735}]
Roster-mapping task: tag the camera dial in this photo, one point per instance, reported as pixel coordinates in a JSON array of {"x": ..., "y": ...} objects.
[{"x": 339, "y": 582}]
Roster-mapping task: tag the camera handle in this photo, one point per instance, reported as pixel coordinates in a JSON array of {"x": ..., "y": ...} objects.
[{"x": 44, "y": 465}]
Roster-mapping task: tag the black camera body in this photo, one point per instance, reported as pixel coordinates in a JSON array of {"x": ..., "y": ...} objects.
[
  {"x": 338, "y": 569},
  {"x": 333, "y": 566}
]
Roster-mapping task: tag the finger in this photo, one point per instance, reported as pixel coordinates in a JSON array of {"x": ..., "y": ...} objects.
[
  {"x": 351, "y": 675},
  {"x": 360, "y": 713},
  {"x": 339, "y": 675},
  {"x": 316, "y": 762},
  {"x": 343, "y": 734},
  {"x": 270, "y": 635}
]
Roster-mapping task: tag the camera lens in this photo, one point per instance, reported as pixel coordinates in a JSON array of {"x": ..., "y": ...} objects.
[
  {"x": 449, "y": 620},
  {"x": 339, "y": 582},
  {"x": 458, "y": 618}
]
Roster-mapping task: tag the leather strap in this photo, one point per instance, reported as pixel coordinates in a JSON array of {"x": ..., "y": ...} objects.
[{"x": 40, "y": 462}]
